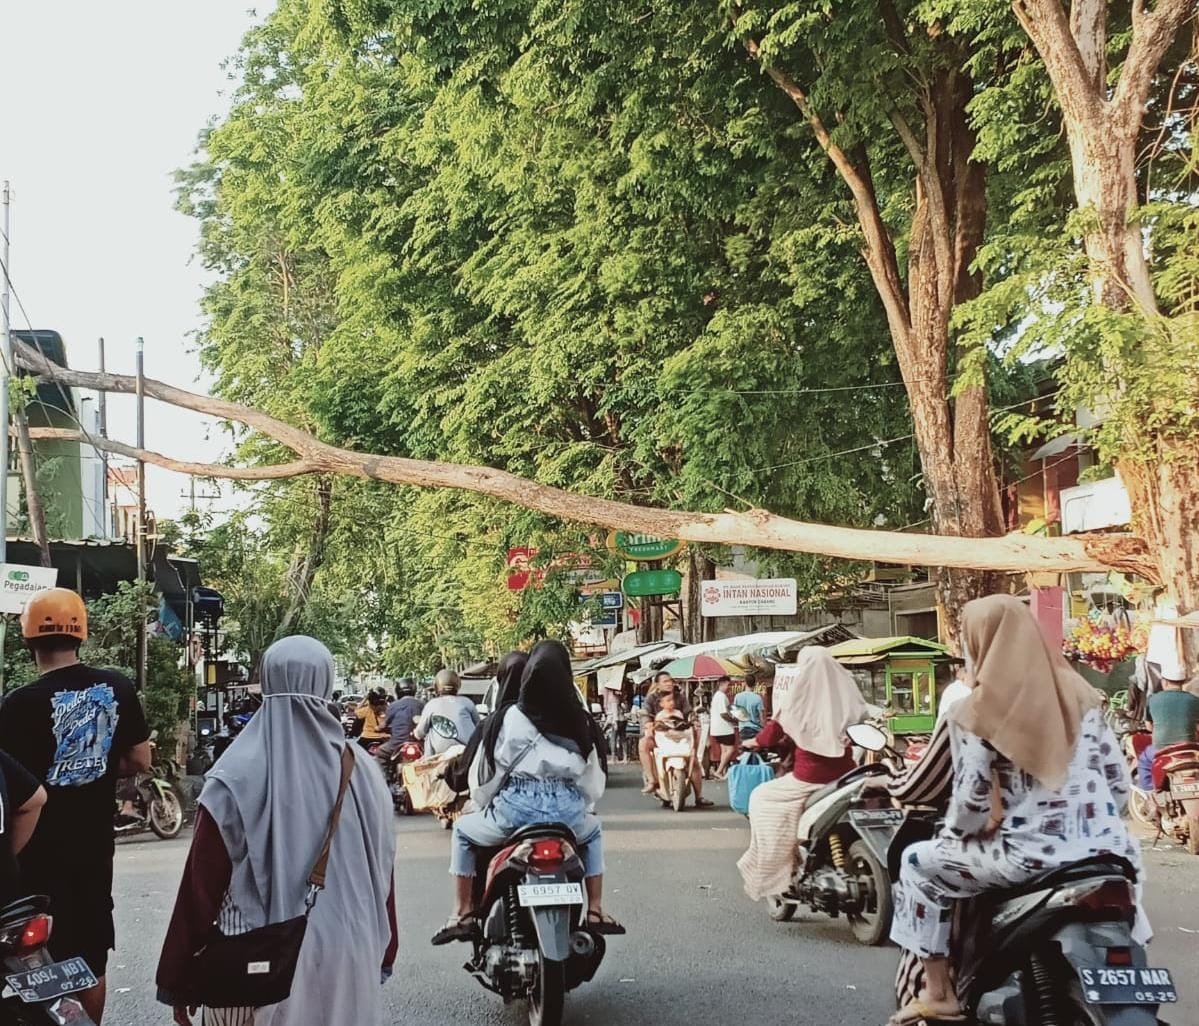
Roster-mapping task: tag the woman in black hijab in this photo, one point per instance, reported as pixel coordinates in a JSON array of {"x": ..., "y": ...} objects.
[
  {"x": 543, "y": 764},
  {"x": 508, "y": 675}
]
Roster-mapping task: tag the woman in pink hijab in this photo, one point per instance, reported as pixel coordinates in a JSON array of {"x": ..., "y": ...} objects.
[{"x": 813, "y": 710}]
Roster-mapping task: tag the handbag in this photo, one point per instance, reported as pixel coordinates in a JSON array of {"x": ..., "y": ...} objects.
[
  {"x": 744, "y": 775},
  {"x": 255, "y": 969}
]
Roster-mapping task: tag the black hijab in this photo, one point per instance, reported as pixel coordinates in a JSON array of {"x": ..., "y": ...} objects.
[
  {"x": 549, "y": 699},
  {"x": 511, "y": 669}
]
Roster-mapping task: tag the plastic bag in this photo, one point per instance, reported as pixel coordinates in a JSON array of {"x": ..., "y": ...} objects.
[{"x": 744, "y": 775}]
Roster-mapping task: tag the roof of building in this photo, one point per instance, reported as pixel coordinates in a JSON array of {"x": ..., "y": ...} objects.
[{"x": 862, "y": 651}]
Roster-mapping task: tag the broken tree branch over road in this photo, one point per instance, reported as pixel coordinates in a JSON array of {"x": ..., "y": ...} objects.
[{"x": 756, "y": 527}]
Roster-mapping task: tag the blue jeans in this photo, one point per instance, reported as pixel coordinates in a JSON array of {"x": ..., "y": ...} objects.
[{"x": 527, "y": 801}]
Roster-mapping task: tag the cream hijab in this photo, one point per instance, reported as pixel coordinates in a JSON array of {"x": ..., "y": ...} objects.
[
  {"x": 1029, "y": 703},
  {"x": 816, "y": 712}
]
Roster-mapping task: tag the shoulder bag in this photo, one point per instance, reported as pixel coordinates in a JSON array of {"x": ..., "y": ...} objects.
[{"x": 255, "y": 969}]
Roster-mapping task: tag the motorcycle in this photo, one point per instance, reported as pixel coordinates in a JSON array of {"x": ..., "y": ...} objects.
[
  {"x": 1176, "y": 784},
  {"x": 674, "y": 756},
  {"x": 1056, "y": 951},
  {"x": 38, "y": 990},
  {"x": 393, "y": 773},
  {"x": 532, "y": 945},
  {"x": 426, "y": 789},
  {"x": 843, "y": 838},
  {"x": 156, "y": 806},
  {"x": 1142, "y": 805}
]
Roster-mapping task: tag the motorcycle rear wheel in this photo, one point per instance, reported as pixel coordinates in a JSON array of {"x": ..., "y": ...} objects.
[
  {"x": 548, "y": 998},
  {"x": 166, "y": 814},
  {"x": 1142, "y": 807},
  {"x": 873, "y": 928}
]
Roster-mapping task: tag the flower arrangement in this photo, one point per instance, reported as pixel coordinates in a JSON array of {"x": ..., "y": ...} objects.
[{"x": 1103, "y": 644}]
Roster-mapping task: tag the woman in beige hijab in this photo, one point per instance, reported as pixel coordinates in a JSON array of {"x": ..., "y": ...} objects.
[
  {"x": 813, "y": 712},
  {"x": 1039, "y": 782}
]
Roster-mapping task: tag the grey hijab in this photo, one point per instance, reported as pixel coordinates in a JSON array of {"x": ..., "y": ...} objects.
[{"x": 273, "y": 790}]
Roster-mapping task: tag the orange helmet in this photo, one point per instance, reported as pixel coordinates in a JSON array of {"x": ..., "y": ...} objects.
[{"x": 55, "y": 612}]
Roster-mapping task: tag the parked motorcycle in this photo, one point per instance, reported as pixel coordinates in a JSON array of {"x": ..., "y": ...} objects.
[
  {"x": 674, "y": 756},
  {"x": 1176, "y": 784},
  {"x": 532, "y": 945},
  {"x": 156, "y": 806},
  {"x": 843, "y": 838},
  {"x": 38, "y": 990},
  {"x": 1142, "y": 804}
]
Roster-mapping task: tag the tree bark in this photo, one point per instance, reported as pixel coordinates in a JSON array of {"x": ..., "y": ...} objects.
[
  {"x": 696, "y": 626},
  {"x": 1102, "y": 126},
  {"x": 1014, "y": 553}
]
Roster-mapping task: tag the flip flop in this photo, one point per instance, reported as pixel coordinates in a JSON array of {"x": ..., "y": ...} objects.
[
  {"x": 599, "y": 923},
  {"x": 916, "y": 1012},
  {"x": 458, "y": 928},
  {"x": 704, "y": 803}
]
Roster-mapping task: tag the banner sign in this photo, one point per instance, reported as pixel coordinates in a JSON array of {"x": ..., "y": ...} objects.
[
  {"x": 642, "y": 546},
  {"x": 577, "y": 567},
  {"x": 778, "y": 597},
  {"x": 20, "y": 583},
  {"x": 786, "y": 677},
  {"x": 644, "y": 583},
  {"x": 608, "y": 615}
]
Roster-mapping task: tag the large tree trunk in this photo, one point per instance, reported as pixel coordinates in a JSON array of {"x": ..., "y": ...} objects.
[
  {"x": 696, "y": 626},
  {"x": 952, "y": 437},
  {"x": 1103, "y": 125}
]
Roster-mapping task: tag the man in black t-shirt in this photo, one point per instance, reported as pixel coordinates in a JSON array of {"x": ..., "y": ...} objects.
[{"x": 78, "y": 729}]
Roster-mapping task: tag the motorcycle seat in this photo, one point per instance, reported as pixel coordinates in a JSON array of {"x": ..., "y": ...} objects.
[
  {"x": 824, "y": 792},
  {"x": 1098, "y": 865},
  {"x": 543, "y": 830}
]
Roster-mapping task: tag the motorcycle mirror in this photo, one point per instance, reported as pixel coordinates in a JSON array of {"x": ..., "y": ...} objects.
[{"x": 868, "y": 736}]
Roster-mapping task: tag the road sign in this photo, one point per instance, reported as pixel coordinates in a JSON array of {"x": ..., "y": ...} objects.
[
  {"x": 777, "y": 597},
  {"x": 20, "y": 583},
  {"x": 642, "y": 546},
  {"x": 611, "y": 600},
  {"x": 644, "y": 583}
]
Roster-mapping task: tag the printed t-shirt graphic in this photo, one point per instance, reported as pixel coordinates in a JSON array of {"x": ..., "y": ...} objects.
[{"x": 84, "y": 724}]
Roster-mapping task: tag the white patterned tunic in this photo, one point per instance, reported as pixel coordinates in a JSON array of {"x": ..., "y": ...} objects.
[{"x": 1042, "y": 830}]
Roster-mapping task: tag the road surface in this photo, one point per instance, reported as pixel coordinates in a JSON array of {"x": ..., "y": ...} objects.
[{"x": 698, "y": 952}]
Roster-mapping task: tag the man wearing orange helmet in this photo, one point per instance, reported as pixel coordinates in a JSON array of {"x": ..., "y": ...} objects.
[{"x": 78, "y": 729}]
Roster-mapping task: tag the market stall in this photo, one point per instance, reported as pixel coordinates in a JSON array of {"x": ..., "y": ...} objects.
[{"x": 900, "y": 674}]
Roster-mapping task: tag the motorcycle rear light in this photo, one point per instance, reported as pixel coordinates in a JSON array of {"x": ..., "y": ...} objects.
[
  {"x": 1119, "y": 956},
  {"x": 1105, "y": 896},
  {"x": 36, "y": 932},
  {"x": 549, "y": 852}
]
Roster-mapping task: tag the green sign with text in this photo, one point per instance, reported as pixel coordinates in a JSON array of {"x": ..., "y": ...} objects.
[
  {"x": 644, "y": 583},
  {"x": 642, "y": 546}
]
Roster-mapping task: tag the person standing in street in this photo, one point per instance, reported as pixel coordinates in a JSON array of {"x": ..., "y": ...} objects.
[
  {"x": 449, "y": 719},
  {"x": 750, "y": 703},
  {"x": 262, "y": 816},
  {"x": 78, "y": 729},
  {"x": 724, "y": 725}
]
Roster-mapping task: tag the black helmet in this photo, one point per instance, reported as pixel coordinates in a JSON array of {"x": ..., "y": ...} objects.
[
  {"x": 405, "y": 686},
  {"x": 376, "y": 695}
]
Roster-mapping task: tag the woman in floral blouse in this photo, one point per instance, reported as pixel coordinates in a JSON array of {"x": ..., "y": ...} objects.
[{"x": 1039, "y": 783}]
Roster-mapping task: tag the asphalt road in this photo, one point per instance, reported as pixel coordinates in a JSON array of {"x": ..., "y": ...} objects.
[{"x": 698, "y": 952}]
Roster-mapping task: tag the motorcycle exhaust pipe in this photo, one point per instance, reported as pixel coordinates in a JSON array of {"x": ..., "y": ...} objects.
[{"x": 582, "y": 944}]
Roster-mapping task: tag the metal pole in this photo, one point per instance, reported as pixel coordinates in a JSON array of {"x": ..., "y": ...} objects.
[
  {"x": 6, "y": 361},
  {"x": 141, "y": 510},
  {"x": 103, "y": 400}
]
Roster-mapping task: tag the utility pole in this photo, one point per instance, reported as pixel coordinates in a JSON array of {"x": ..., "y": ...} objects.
[
  {"x": 103, "y": 400},
  {"x": 141, "y": 512}
]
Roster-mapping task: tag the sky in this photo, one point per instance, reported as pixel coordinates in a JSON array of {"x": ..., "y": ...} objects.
[{"x": 99, "y": 104}]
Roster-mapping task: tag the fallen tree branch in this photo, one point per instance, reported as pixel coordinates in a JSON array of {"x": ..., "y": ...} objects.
[{"x": 755, "y": 527}]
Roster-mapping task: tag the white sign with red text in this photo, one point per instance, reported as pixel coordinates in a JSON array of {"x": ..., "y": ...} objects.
[{"x": 778, "y": 597}]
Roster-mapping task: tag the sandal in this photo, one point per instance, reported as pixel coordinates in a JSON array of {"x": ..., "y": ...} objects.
[
  {"x": 916, "y": 1012},
  {"x": 704, "y": 803},
  {"x": 458, "y": 928},
  {"x": 599, "y": 923}
]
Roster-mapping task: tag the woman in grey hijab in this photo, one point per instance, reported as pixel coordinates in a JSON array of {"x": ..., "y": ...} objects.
[{"x": 260, "y": 823}]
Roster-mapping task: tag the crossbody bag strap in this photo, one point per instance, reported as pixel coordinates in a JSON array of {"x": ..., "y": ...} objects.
[
  {"x": 512, "y": 766},
  {"x": 316, "y": 879}
]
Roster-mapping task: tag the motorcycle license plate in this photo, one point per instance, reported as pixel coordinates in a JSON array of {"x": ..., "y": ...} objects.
[
  {"x": 1110, "y": 985},
  {"x": 1187, "y": 790},
  {"x": 534, "y": 895},
  {"x": 47, "y": 982},
  {"x": 876, "y": 817}
]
